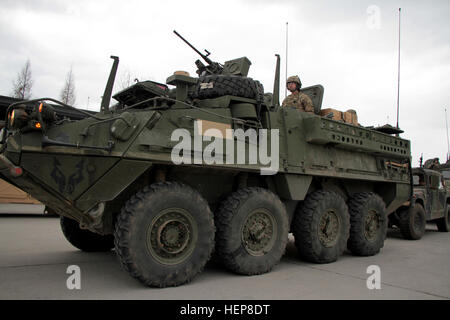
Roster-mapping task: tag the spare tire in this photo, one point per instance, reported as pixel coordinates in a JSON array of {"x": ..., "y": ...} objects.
[{"x": 216, "y": 85}]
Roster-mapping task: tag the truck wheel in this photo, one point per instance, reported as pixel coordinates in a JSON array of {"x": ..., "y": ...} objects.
[
  {"x": 164, "y": 234},
  {"x": 321, "y": 227},
  {"x": 85, "y": 240},
  {"x": 443, "y": 223},
  {"x": 412, "y": 222},
  {"x": 368, "y": 224},
  {"x": 252, "y": 231}
]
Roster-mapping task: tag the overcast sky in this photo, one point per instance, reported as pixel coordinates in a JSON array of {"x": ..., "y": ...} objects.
[{"x": 350, "y": 47}]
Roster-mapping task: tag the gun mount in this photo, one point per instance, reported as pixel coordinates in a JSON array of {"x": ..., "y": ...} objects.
[{"x": 237, "y": 67}]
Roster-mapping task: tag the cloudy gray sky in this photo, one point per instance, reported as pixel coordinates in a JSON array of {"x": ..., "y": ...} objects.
[{"x": 350, "y": 47}]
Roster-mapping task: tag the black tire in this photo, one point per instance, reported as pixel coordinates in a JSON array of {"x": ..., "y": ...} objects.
[
  {"x": 213, "y": 86},
  {"x": 368, "y": 224},
  {"x": 311, "y": 226},
  {"x": 443, "y": 224},
  {"x": 412, "y": 222},
  {"x": 164, "y": 234},
  {"x": 85, "y": 240},
  {"x": 252, "y": 231}
]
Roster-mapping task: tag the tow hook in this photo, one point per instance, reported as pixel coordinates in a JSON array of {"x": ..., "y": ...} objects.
[{"x": 13, "y": 170}]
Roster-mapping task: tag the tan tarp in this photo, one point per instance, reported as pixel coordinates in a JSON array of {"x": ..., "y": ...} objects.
[
  {"x": 348, "y": 116},
  {"x": 11, "y": 194}
]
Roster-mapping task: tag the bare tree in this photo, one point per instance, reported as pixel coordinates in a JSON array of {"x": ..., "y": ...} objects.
[
  {"x": 23, "y": 83},
  {"x": 125, "y": 79},
  {"x": 68, "y": 91}
]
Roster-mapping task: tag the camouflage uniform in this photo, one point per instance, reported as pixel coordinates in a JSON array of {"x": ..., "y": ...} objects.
[{"x": 297, "y": 99}]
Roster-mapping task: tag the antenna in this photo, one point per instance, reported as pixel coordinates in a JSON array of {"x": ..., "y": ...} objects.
[
  {"x": 446, "y": 125},
  {"x": 285, "y": 88},
  {"x": 398, "y": 83}
]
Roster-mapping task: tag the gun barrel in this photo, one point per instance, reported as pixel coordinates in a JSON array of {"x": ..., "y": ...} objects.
[{"x": 193, "y": 48}]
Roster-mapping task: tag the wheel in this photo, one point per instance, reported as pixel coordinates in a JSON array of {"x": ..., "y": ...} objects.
[
  {"x": 443, "y": 223},
  {"x": 321, "y": 227},
  {"x": 85, "y": 240},
  {"x": 252, "y": 231},
  {"x": 368, "y": 224},
  {"x": 412, "y": 222},
  {"x": 213, "y": 86},
  {"x": 164, "y": 234}
]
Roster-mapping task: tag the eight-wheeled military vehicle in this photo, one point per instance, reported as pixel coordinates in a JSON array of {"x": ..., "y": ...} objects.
[
  {"x": 175, "y": 170},
  {"x": 429, "y": 202}
]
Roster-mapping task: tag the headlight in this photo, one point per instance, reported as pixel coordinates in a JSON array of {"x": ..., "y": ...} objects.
[
  {"x": 46, "y": 112},
  {"x": 17, "y": 119}
]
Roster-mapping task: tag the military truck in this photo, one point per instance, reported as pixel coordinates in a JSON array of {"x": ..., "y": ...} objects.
[
  {"x": 169, "y": 175},
  {"x": 429, "y": 203}
]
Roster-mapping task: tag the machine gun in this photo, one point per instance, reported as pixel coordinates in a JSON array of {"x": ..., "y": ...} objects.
[{"x": 211, "y": 68}]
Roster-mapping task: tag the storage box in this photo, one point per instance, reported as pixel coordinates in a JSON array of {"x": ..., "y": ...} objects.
[
  {"x": 337, "y": 115},
  {"x": 348, "y": 116},
  {"x": 351, "y": 117}
]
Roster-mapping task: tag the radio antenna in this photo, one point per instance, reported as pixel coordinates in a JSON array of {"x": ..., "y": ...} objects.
[
  {"x": 285, "y": 88},
  {"x": 398, "y": 82},
  {"x": 448, "y": 144}
]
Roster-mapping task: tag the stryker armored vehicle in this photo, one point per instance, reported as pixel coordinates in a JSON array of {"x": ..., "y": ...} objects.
[
  {"x": 428, "y": 203},
  {"x": 169, "y": 175}
]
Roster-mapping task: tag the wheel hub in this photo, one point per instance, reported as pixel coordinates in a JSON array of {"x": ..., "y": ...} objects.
[
  {"x": 372, "y": 225},
  {"x": 328, "y": 230},
  {"x": 259, "y": 232},
  {"x": 171, "y": 236}
]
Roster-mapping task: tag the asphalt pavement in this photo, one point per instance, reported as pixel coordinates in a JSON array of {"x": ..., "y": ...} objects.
[{"x": 37, "y": 262}]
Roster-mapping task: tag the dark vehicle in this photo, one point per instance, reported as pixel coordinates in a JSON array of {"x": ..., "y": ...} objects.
[
  {"x": 429, "y": 203},
  {"x": 169, "y": 174}
]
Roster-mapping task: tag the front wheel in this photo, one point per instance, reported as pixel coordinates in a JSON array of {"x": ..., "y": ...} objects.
[
  {"x": 164, "y": 234},
  {"x": 443, "y": 224},
  {"x": 412, "y": 222},
  {"x": 85, "y": 240}
]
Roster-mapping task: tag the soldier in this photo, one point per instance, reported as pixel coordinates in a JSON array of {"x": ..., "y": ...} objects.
[
  {"x": 297, "y": 99},
  {"x": 432, "y": 164}
]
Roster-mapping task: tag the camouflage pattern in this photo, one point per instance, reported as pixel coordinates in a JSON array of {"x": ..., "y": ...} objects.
[{"x": 300, "y": 101}]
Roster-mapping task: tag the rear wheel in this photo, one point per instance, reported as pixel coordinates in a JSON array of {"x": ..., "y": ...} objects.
[
  {"x": 85, "y": 240},
  {"x": 412, "y": 222},
  {"x": 321, "y": 227},
  {"x": 368, "y": 224},
  {"x": 443, "y": 223},
  {"x": 252, "y": 231},
  {"x": 164, "y": 235}
]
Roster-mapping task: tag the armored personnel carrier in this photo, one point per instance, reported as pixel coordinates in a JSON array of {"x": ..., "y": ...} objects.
[{"x": 177, "y": 170}]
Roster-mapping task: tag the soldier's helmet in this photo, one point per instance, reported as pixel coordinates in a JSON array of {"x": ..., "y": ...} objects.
[{"x": 296, "y": 80}]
